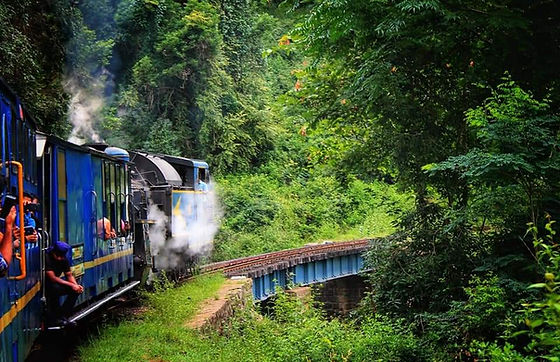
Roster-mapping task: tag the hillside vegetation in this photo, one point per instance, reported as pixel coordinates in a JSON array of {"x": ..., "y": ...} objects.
[{"x": 433, "y": 124}]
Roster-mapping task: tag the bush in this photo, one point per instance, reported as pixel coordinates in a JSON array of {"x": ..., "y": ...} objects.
[
  {"x": 299, "y": 332},
  {"x": 263, "y": 214}
]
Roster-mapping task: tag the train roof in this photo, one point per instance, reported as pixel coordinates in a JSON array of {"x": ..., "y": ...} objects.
[
  {"x": 8, "y": 91},
  {"x": 184, "y": 161},
  {"x": 155, "y": 169},
  {"x": 43, "y": 138}
]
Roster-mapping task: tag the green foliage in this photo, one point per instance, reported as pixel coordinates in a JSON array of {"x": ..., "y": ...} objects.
[
  {"x": 296, "y": 332},
  {"x": 494, "y": 352},
  {"x": 543, "y": 316},
  {"x": 32, "y": 57},
  {"x": 518, "y": 141},
  {"x": 263, "y": 214},
  {"x": 85, "y": 52},
  {"x": 202, "y": 71},
  {"x": 161, "y": 138},
  {"x": 483, "y": 296},
  {"x": 236, "y": 142},
  {"x": 483, "y": 311},
  {"x": 541, "y": 312},
  {"x": 408, "y": 70}
]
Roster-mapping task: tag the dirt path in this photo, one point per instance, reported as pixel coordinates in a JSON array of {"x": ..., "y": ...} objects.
[{"x": 215, "y": 310}]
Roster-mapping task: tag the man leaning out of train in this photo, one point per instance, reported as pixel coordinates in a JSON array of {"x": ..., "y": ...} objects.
[
  {"x": 6, "y": 241},
  {"x": 57, "y": 263}
]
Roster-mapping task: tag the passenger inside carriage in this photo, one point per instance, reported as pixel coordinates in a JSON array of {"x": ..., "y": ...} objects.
[
  {"x": 57, "y": 263},
  {"x": 104, "y": 229},
  {"x": 6, "y": 230},
  {"x": 29, "y": 221},
  {"x": 6, "y": 242},
  {"x": 202, "y": 186}
]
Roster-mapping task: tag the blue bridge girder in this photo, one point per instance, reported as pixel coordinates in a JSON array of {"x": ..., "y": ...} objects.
[{"x": 311, "y": 272}]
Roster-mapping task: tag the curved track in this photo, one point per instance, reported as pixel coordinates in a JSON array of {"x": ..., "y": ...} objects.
[{"x": 244, "y": 266}]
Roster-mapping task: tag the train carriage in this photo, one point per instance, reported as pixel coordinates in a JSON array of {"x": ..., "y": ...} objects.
[
  {"x": 20, "y": 291},
  {"x": 89, "y": 196}
]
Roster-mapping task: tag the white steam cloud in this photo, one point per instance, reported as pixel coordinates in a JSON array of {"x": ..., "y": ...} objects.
[
  {"x": 192, "y": 237},
  {"x": 86, "y": 105}
]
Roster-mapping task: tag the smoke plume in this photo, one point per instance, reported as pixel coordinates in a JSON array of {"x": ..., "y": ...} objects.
[
  {"x": 86, "y": 105},
  {"x": 192, "y": 237}
]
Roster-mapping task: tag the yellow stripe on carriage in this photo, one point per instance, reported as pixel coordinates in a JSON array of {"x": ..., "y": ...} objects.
[
  {"x": 106, "y": 258},
  {"x": 18, "y": 306}
]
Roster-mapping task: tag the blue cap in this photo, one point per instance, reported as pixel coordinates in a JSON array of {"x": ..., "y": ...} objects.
[{"x": 59, "y": 247}]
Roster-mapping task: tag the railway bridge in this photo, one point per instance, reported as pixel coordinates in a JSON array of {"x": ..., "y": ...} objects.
[{"x": 296, "y": 267}]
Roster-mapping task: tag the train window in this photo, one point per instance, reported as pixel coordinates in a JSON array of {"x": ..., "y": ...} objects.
[
  {"x": 118, "y": 198},
  {"x": 112, "y": 195},
  {"x": 30, "y": 152},
  {"x": 26, "y": 158},
  {"x": 189, "y": 177},
  {"x": 62, "y": 220},
  {"x": 106, "y": 187},
  {"x": 2, "y": 129},
  {"x": 13, "y": 137},
  {"x": 202, "y": 174},
  {"x": 33, "y": 157},
  {"x": 125, "y": 191},
  {"x": 61, "y": 182},
  {"x": 61, "y": 158}
]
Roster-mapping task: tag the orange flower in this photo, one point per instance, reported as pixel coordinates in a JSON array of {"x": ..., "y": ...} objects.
[{"x": 284, "y": 40}]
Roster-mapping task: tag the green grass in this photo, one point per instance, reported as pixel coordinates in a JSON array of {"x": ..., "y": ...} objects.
[
  {"x": 160, "y": 331},
  {"x": 296, "y": 333}
]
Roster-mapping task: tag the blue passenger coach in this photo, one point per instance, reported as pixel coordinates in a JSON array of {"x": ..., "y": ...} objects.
[
  {"x": 20, "y": 291},
  {"x": 89, "y": 196}
]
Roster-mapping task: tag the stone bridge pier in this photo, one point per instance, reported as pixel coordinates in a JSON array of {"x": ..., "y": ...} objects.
[{"x": 342, "y": 295}]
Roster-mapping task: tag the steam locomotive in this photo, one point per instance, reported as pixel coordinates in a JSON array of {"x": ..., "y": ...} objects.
[{"x": 143, "y": 196}]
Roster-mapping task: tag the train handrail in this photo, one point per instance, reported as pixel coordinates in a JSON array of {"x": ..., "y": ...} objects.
[
  {"x": 119, "y": 205},
  {"x": 112, "y": 244},
  {"x": 21, "y": 256},
  {"x": 131, "y": 216}
]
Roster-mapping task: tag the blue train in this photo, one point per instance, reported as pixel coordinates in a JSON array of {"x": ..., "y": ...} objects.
[{"x": 80, "y": 190}]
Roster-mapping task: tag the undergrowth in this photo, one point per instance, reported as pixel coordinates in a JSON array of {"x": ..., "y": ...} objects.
[
  {"x": 262, "y": 214},
  {"x": 159, "y": 331},
  {"x": 295, "y": 332}
]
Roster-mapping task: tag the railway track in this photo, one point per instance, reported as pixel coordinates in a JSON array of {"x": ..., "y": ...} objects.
[{"x": 244, "y": 266}]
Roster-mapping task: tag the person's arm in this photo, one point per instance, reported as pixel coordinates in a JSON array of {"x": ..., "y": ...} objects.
[
  {"x": 53, "y": 278},
  {"x": 71, "y": 279},
  {"x": 71, "y": 282},
  {"x": 6, "y": 245},
  {"x": 32, "y": 238}
]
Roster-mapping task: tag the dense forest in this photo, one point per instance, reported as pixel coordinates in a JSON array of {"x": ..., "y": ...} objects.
[{"x": 429, "y": 125}]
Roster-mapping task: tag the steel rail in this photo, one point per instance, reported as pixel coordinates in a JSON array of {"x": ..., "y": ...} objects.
[{"x": 247, "y": 264}]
